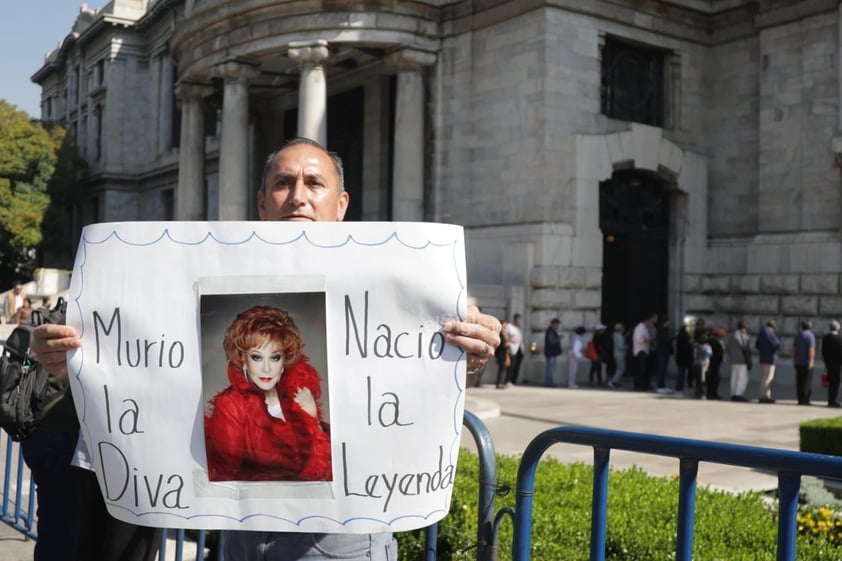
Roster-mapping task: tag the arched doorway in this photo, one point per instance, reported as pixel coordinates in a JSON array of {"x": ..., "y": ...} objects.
[{"x": 634, "y": 216}]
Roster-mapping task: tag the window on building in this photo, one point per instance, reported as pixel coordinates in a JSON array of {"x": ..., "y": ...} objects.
[
  {"x": 633, "y": 83},
  {"x": 168, "y": 204},
  {"x": 100, "y": 72},
  {"x": 98, "y": 132},
  {"x": 77, "y": 85},
  {"x": 83, "y": 140}
]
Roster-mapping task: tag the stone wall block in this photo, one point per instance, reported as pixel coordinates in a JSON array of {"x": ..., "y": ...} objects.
[
  {"x": 591, "y": 319},
  {"x": 691, "y": 283},
  {"x": 728, "y": 304},
  {"x": 799, "y": 305},
  {"x": 819, "y": 284},
  {"x": 697, "y": 304},
  {"x": 779, "y": 284},
  {"x": 571, "y": 278},
  {"x": 747, "y": 284},
  {"x": 788, "y": 326},
  {"x": 587, "y": 299},
  {"x": 593, "y": 278},
  {"x": 550, "y": 298},
  {"x": 543, "y": 277},
  {"x": 830, "y": 306},
  {"x": 760, "y": 305},
  {"x": 716, "y": 284},
  {"x": 540, "y": 319},
  {"x": 571, "y": 319}
]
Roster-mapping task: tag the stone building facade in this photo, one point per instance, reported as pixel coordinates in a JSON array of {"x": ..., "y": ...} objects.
[{"x": 606, "y": 158}]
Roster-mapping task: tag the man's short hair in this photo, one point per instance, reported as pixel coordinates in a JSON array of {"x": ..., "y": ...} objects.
[
  {"x": 806, "y": 324},
  {"x": 516, "y": 316},
  {"x": 834, "y": 325},
  {"x": 741, "y": 324},
  {"x": 334, "y": 157},
  {"x": 554, "y": 320}
]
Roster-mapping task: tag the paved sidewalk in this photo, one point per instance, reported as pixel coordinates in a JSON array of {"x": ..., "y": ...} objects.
[{"x": 517, "y": 414}]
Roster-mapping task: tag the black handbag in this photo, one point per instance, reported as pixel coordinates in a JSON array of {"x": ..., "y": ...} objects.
[{"x": 24, "y": 383}]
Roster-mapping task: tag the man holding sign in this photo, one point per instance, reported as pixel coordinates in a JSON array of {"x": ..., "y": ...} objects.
[{"x": 301, "y": 182}]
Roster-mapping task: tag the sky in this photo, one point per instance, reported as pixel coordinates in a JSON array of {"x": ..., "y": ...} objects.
[{"x": 28, "y": 30}]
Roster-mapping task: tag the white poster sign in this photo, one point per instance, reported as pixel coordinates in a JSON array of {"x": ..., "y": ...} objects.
[{"x": 270, "y": 376}]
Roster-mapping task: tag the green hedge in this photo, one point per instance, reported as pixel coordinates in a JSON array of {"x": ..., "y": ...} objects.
[
  {"x": 642, "y": 512},
  {"x": 822, "y": 436}
]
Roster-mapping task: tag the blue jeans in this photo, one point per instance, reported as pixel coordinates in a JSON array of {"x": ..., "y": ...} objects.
[
  {"x": 682, "y": 375},
  {"x": 288, "y": 546},
  {"x": 549, "y": 373},
  {"x": 661, "y": 360},
  {"x": 48, "y": 452}
]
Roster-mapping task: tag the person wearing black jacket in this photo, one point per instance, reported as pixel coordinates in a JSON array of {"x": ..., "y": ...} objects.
[
  {"x": 832, "y": 357},
  {"x": 552, "y": 350},
  {"x": 683, "y": 358}
]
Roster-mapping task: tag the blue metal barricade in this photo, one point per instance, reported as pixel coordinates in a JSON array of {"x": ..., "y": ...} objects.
[{"x": 789, "y": 466}]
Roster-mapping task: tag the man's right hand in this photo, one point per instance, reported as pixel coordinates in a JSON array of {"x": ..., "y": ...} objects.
[{"x": 50, "y": 344}]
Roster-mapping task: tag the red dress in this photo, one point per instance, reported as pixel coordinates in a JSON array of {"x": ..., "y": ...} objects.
[{"x": 245, "y": 443}]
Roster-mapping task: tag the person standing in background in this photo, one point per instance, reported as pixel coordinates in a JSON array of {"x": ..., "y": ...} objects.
[
  {"x": 832, "y": 357},
  {"x": 502, "y": 356},
  {"x": 683, "y": 358},
  {"x": 13, "y": 301},
  {"x": 640, "y": 352},
  {"x": 515, "y": 348},
  {"x": 552, "y": 349},
  {"x": 620, "y": 349},
  {"x": 803, "y": 358},
  {"x": 663, "y": 351},
  {"x": 717, "y": 357},
  {"x": 767, "y": 345},
  {"x": 574, "y": 355},
  {"x": 739, "y": 355}
]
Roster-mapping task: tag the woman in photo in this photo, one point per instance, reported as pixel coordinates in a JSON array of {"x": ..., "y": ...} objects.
[{"x": 267, "y": 425}]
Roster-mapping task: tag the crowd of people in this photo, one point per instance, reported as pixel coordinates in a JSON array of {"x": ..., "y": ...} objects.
[{"x": 698, "y": 351}]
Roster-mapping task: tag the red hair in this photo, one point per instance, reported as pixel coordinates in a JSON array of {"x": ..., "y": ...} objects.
[{"x": 252, "y": 327}]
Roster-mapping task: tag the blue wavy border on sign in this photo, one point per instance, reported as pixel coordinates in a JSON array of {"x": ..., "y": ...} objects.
[{"x": 393, "y": 237}]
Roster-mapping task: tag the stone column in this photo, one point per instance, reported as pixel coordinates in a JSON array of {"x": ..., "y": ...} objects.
[
  {"x": 234, "y": 188},
  {"x": 312, "y": 89},
  {"x": 408, "y": 167},
  {"x": 190, "y": 195}
]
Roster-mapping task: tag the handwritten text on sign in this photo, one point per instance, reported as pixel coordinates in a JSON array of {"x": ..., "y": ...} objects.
[{"x": 153, "y": 303}]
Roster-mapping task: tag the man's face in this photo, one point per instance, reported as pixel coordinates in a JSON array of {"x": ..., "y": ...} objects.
[
  {"x": 17, "y": 288},
  {"x": 302, "y": 185}
]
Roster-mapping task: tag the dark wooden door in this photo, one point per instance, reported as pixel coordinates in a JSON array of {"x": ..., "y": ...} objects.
[{"x": 634, "y": 219}]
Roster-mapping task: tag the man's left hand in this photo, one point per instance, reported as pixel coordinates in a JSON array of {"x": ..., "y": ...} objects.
[{"x": 478, "y": 335}]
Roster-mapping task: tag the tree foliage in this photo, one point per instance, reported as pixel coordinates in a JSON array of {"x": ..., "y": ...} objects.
[{"x": 29, "y": 155}]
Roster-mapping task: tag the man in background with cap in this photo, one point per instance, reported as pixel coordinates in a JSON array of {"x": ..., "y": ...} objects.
[
  {"x": 767, "y": 345},
  {"x": 832, "y": 357}
]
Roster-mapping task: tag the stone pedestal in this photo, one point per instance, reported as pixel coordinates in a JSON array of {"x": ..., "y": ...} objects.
[{"x": 312, "y": 89}]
